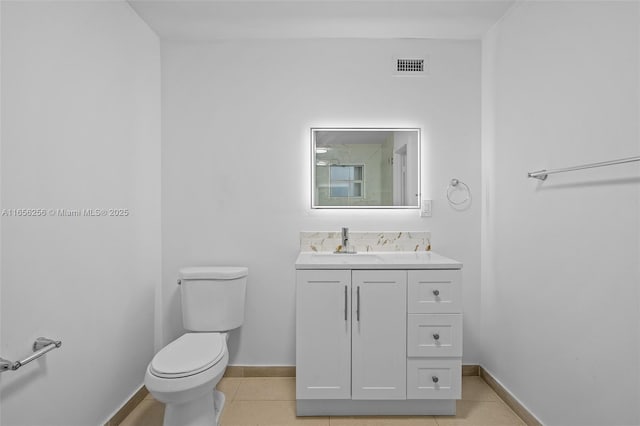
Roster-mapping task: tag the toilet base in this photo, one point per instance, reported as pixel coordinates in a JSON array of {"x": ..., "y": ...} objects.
[
  {"x": 204, "y": 411},
  {"x": 218, "y": 399}
]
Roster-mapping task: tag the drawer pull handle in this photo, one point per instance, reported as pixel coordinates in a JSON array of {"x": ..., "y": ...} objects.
[
  {"x": 436, "y": 336},
  {"x": 435, "y": 379},
  {"x": 436, "y": 293}
]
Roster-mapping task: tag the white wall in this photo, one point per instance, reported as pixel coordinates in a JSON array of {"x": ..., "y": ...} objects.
[
  {"x": 81, "y": 129},
  {"x": 236, "y": 168},
  {"x": 0, "y": 193},
  {"x": 560, "y": 258}
]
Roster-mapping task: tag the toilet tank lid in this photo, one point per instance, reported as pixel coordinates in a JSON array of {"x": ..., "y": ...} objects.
[{"x": 213, "y": 272}]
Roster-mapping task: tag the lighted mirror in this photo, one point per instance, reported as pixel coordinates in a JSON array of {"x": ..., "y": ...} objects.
[{"x": 365, "y": 168}]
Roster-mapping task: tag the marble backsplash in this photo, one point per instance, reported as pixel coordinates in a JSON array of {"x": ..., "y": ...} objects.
[{"x": 366, "y": 241}]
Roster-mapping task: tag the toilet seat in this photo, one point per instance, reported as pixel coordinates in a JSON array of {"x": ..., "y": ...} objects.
[{"x": 190, "y": 354}]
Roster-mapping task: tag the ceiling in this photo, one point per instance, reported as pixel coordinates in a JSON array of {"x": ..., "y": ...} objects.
[{"x": 206, "y": 20}]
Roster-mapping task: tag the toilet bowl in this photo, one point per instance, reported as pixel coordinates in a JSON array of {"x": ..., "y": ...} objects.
[{"x": 184, "y": 374}]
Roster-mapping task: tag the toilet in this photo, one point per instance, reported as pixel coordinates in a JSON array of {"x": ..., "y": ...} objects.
[{"x": 184, "y": 374}]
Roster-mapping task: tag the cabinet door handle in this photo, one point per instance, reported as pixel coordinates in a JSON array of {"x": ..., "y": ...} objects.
[
  {"x": 345, "y": 303},
  {"x": 436, "y": 293},
  {"x": 435, "y": 379},
  {"x": 436, "y": 336},
  {"x": 358, "y": 304}
]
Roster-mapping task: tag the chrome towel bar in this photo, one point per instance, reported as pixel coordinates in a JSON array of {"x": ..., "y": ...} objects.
[
  {"x": 41, "y": 346},
  {"x": 542, "y": 174}
]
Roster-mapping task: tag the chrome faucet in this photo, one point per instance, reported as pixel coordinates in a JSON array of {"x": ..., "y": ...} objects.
[
  {"x": 344, "y": 247},
  {"x": 345, "y": 239}
]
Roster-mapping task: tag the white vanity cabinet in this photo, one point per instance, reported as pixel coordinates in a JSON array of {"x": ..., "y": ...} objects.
[
  {"x": 373, "y": 341},
  {"x": 351, "y": 334}
]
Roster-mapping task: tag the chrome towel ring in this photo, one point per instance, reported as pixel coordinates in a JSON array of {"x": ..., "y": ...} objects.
[{"x": 457, "y": 186}]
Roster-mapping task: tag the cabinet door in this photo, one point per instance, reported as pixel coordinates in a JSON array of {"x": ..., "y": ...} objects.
[
  {"x": 323, "y": 334},
  {"x": 379, "y": 319}
]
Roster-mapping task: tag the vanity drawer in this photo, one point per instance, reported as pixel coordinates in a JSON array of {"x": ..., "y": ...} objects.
[
  {"x": 434, "y": 335},
  {"x": 434, "y": 379},
  {"x": 434, "y": 291}
]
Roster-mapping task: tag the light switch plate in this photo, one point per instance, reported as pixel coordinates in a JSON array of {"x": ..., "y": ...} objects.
[{"x": 425, "y": 211}]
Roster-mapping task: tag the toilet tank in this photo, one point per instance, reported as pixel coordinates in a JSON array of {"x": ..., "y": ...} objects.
[{"x": 212, "y": 297}]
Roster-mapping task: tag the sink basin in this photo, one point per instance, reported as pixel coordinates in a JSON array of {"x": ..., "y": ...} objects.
[
  {"x": 346, "y": 258},
  {"x": 377, "y": 260}
]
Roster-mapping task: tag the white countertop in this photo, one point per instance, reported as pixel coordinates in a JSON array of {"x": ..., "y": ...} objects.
[{"x": 375, "y": 260}]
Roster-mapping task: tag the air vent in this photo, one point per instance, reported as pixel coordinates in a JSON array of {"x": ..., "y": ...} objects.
[{"x": 409, "y": 66}]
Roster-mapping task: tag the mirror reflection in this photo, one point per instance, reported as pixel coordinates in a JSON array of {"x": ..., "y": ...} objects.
[{"x": 365, "y": 168}]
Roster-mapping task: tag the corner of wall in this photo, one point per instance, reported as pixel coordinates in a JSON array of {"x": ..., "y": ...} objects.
[
  {"x": 486, "y": 161},
  {"x": 638, "y": 130},
  {"x": 1, "y": 6}
]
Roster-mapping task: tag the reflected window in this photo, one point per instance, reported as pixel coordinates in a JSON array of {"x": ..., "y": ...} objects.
[{"x": 345, "y": 181}]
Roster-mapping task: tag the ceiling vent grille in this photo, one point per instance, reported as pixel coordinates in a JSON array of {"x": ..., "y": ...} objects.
[
  {"x": 403, "y": 66},
  {"x": 410, "y": 65}
]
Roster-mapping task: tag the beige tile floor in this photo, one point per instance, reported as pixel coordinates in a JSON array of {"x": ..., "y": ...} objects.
[{"x": 271, "y": 401}]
